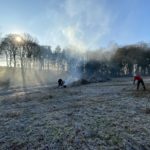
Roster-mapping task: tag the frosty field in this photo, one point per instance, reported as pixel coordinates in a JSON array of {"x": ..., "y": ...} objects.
[{"x": 109, "y": 115}]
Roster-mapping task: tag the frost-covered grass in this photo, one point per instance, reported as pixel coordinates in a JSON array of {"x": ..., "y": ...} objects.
[{"x": 110, "y": 115}]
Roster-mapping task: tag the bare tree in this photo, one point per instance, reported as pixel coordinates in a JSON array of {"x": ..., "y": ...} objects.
[{"x": 9, "y": 48}]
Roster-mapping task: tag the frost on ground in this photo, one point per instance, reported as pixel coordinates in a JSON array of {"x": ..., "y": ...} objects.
[{"x": 110, "y": 115}]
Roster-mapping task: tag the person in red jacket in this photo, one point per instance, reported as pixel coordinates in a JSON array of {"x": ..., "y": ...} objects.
[{"x": 139, "y": 81}]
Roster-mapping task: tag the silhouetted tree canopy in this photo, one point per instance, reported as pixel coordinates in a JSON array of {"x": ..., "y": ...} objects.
[{"x": 24, "y": 51}]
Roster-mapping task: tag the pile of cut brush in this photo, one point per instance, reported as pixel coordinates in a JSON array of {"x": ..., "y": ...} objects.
[{"x": 87, "y": 79}]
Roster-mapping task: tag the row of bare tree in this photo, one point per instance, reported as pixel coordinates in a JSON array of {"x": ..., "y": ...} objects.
[
  {"x": 24, "y": 51},
  {"x": 132, "y": 58},
  {"x": 19, "y": 49},
  {"x": 123, "y": 61}
]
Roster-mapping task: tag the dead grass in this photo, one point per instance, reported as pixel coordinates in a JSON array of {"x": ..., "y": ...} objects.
[
  {"x": 11, "y": 114},
  {"x": 96, "y": 116}
]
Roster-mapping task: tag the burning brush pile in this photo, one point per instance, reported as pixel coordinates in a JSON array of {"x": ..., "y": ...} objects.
[{"x": 87, "y": 79}]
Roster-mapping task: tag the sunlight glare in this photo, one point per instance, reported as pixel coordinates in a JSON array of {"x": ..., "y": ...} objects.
[{"x": 18, "y": 39}]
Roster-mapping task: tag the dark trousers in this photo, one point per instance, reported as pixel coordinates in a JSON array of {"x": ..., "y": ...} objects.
[{"x": 140, "y": 82}]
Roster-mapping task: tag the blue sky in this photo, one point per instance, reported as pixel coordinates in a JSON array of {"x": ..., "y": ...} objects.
[{"x": 83, "y": 24}]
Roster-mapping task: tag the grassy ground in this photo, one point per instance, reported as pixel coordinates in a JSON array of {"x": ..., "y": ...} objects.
[{"x": 110, "y": 115}]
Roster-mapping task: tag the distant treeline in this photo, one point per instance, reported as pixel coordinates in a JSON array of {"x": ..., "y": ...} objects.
[{"x": 23, "y": 51}]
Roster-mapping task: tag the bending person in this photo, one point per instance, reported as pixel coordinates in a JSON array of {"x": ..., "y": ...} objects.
[{"x": 139, "y": 81}]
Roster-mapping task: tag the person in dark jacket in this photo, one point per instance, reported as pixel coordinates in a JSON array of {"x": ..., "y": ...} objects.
[
  {"x": 139, "y": 81},
  {"x": 60, "y": 83}
]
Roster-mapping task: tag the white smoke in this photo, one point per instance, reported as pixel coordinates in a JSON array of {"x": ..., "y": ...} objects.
[
  {"x": 70, "y": 33},
  {"x": 80, "y": 25},
  {"x": 91, "y": 23}
]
